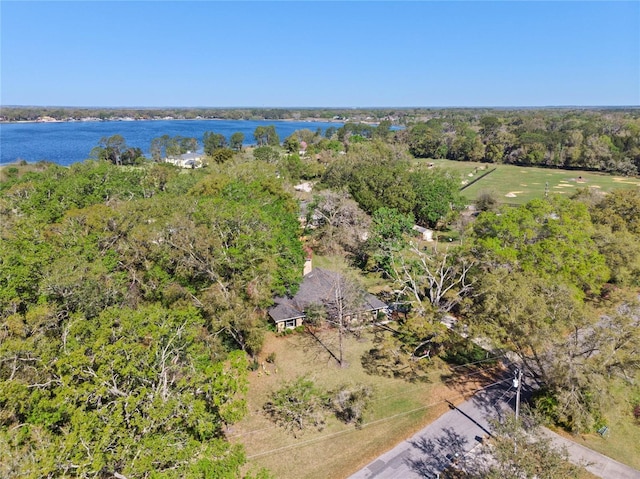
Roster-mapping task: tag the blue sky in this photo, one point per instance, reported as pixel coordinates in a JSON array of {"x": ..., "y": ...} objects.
[{"x": 320, "y": 53}]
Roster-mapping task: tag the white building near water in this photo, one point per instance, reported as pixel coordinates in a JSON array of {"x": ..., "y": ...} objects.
[{"x": 187, "y": 160}]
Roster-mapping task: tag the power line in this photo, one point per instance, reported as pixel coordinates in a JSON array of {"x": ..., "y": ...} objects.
[
  {"x": 477, "y": 362},
  {"x": 503, "y": 395},
  {"x": 377, "y": 421},
  {"x": 376, "y": 399}
]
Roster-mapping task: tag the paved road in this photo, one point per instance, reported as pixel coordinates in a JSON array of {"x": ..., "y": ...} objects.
[
  {"x": 463, "y": 428},
  {"x": 596, "y": 463},
  {"x": 455, "y": 432}
]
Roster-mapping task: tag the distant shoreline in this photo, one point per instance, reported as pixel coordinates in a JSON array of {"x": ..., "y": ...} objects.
[
  {"x": 122, "y": 120},
  {"x": 67, "y": 142}
]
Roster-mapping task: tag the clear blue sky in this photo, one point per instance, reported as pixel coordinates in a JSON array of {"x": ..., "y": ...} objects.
[{"x": 324, "y": 53}]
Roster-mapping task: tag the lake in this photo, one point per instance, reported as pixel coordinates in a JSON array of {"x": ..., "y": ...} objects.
[{"x": 70, "y": 142}]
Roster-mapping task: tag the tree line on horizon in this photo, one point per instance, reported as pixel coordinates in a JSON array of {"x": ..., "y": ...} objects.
[{"x": 596, "y": 140}]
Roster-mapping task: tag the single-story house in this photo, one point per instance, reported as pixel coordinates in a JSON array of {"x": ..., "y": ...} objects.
[
  {"x": 320, "y": 287},
  {"x": 187, "y": 160}
]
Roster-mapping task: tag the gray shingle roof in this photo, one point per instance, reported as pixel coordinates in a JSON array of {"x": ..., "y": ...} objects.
[
  {"x": 283, "y": 311},
  {"x": 317, "y": 287}
]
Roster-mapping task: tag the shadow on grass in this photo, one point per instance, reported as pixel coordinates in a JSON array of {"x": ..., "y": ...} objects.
[
  {"x": 383, "y": 362},
  {"x": 469, "y": 365},
  {"x": 462, "y": 352}
]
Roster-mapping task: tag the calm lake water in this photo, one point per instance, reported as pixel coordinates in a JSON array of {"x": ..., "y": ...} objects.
[{"x": 70, "y": 142}]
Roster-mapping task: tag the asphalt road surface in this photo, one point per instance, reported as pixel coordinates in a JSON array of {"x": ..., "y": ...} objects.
[{"x": 458, "y": 431}]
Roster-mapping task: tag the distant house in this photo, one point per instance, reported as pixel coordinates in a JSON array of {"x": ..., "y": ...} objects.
[
  {"x": 320, "y": 287},
  {"x": 187, "y": 160},
  {"x": 307, "y": 187},
  {"x": 427, "y": 234}
]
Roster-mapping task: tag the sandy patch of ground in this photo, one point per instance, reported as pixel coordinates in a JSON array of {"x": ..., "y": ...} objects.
[
  {"x": 564, "y": 185},
  {"x": 513, "y": 194},
  {"x": 627, "y": 181}
]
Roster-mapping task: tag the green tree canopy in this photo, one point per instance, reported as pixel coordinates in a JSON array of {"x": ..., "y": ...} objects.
[
  {"x": 437, "y": 195},
  {"x": 552, "y": 238},
  {"x": 213, "y": 141},
  {"x": 129, "y": 299},
  {"x": 129, "y": 387},
  {"x": 236, "y": 140}
]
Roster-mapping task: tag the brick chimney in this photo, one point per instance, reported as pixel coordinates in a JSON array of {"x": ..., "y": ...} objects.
[{"x": 308, "y": 260}]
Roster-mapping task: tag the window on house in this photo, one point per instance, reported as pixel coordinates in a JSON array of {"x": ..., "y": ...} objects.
[{"x": 290, "y": 323}]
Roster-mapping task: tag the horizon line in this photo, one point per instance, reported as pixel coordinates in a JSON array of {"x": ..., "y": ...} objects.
[{"x": 87, "y": 107}]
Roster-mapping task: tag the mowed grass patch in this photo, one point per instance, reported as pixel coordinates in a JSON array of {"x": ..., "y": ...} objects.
[
  {"x": 519, "y": 184},
  {"x": 397, "y": 411},
  {"x": 622, "y": 441}
]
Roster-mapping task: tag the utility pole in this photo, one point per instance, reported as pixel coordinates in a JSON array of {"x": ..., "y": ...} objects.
[{"x": 517, "y": 383}]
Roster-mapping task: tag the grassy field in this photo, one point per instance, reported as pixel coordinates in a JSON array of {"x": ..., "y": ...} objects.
[
  {"x": 517, "y": 184},
  {"x": 622, "y": 442},
  {"x": 398, "y": 410}
]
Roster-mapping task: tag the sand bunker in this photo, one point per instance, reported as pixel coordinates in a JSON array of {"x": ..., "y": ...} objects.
[
  {"x": 626, "y": 181},
  {"x": 513, "y": 194}
]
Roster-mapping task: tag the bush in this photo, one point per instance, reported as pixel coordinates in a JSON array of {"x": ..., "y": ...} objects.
[
  {"x": 546, "y": 405},
  {"x": 266, "y": 154},
  {"x": 222, "y": 155},
  {"x": 487, "y": 201},
  {"x": 297, "y": 406},
  {"x": 350, "y": 402},
  {"x": 254, "y": 365}
]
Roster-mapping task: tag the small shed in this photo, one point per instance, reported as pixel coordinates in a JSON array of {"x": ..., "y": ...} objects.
[{"x": 427, "y": 234}]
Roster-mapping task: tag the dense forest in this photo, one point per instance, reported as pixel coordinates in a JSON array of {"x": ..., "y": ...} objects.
[
  {"x": 131, "y": 300},
  {"x": 133, "y": 295}
]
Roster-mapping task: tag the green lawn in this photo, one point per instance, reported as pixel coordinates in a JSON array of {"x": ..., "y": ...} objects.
[
  {"x": 517, "y": 184},
  {"x": 622, "y": 442},
  {"x": 398, "y": 410}
]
